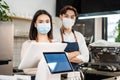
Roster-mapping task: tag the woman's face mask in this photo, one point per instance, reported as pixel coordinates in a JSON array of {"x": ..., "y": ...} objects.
[
  {"x": 68, "y": 23},
  {"x": 43, "y": 28}
]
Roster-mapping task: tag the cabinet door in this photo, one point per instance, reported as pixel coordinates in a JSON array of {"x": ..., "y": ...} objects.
[{"x": 6, "y": 47}]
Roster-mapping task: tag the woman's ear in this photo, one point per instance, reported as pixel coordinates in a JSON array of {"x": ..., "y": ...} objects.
[{"x": 35, "y": 24}]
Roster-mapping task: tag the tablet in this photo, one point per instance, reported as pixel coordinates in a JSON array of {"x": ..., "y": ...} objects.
[
  {"x": 57, "y": 62},
  {"x": 35, "y": 52}
]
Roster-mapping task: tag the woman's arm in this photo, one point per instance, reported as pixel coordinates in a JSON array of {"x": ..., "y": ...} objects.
[{"x": 24, "y": 49}]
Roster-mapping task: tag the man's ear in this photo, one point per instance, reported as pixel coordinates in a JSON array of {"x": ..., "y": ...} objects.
[{"x": 60, "y": 16}]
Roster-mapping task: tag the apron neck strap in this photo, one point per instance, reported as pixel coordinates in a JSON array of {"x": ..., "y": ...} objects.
[{"x": 62, "y": 32}]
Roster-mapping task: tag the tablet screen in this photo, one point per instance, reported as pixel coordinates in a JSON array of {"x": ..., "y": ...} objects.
[{"x": 57, "y": 62}]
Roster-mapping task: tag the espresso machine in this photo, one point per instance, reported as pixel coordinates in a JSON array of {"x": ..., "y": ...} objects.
[{"x": 105, "y": 57}]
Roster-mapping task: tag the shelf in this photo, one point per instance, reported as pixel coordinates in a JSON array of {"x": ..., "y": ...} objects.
[
  {"x": 22, "y": 18},
  {"x": 21, "y": 36}
]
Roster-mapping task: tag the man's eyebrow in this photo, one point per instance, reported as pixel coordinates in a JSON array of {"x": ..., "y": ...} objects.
[{"x": 69, "y": 15}]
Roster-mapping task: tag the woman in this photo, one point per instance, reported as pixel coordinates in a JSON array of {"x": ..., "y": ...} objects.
[
  {"x": 40, "y": 32},
  {"x": 76, "y": 49}
]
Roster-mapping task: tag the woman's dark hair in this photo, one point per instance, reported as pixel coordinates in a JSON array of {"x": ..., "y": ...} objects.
[
  {"x": 68, "y": 7},
  {"x": 33, "y": 30}
]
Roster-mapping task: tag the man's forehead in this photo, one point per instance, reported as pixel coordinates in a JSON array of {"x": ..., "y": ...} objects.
[{"x": 70, "y": 13}]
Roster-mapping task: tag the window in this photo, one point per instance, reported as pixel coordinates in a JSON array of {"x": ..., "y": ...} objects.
[{"x": 112, "y": 26}]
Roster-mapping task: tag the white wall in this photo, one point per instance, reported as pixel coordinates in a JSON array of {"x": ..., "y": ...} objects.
[{"x": 29, "y": 7}]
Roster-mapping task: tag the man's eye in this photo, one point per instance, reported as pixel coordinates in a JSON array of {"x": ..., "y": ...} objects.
[
  {"x": 66, "y": 16},
  {"x": 72, "y": 17}
]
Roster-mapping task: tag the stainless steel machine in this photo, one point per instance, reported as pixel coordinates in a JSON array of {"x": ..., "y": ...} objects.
[{"x": 105, "y": 57}]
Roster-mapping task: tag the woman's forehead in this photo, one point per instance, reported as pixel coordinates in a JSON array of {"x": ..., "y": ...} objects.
[{"x": 43, "y": 17}]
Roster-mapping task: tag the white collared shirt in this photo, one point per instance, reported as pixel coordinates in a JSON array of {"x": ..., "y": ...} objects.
[{"x": 84, "y": 52}]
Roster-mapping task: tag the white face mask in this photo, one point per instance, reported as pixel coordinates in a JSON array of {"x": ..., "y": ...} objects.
[{"x": 68, "y": 23}]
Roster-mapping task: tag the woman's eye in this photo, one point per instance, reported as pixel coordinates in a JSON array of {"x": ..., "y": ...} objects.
[
  {"x": 40, "y": 21},
  {"x": 47, "y": 21}
]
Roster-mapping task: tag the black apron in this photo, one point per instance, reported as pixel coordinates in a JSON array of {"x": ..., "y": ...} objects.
[{"x": 71, "y": 47}]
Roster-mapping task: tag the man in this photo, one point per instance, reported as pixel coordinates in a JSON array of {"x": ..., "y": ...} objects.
[{"x": 76, "y": 49}]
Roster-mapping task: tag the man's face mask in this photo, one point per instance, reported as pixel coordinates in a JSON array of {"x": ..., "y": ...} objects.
[
  {"x": 43, "y": 28},
  {"x": 68, "y": 23}
]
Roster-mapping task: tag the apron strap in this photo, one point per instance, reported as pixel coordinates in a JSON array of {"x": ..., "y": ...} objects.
[
  {"x": 74, "y": 35},
  {"x": 61, "y": 32}
]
